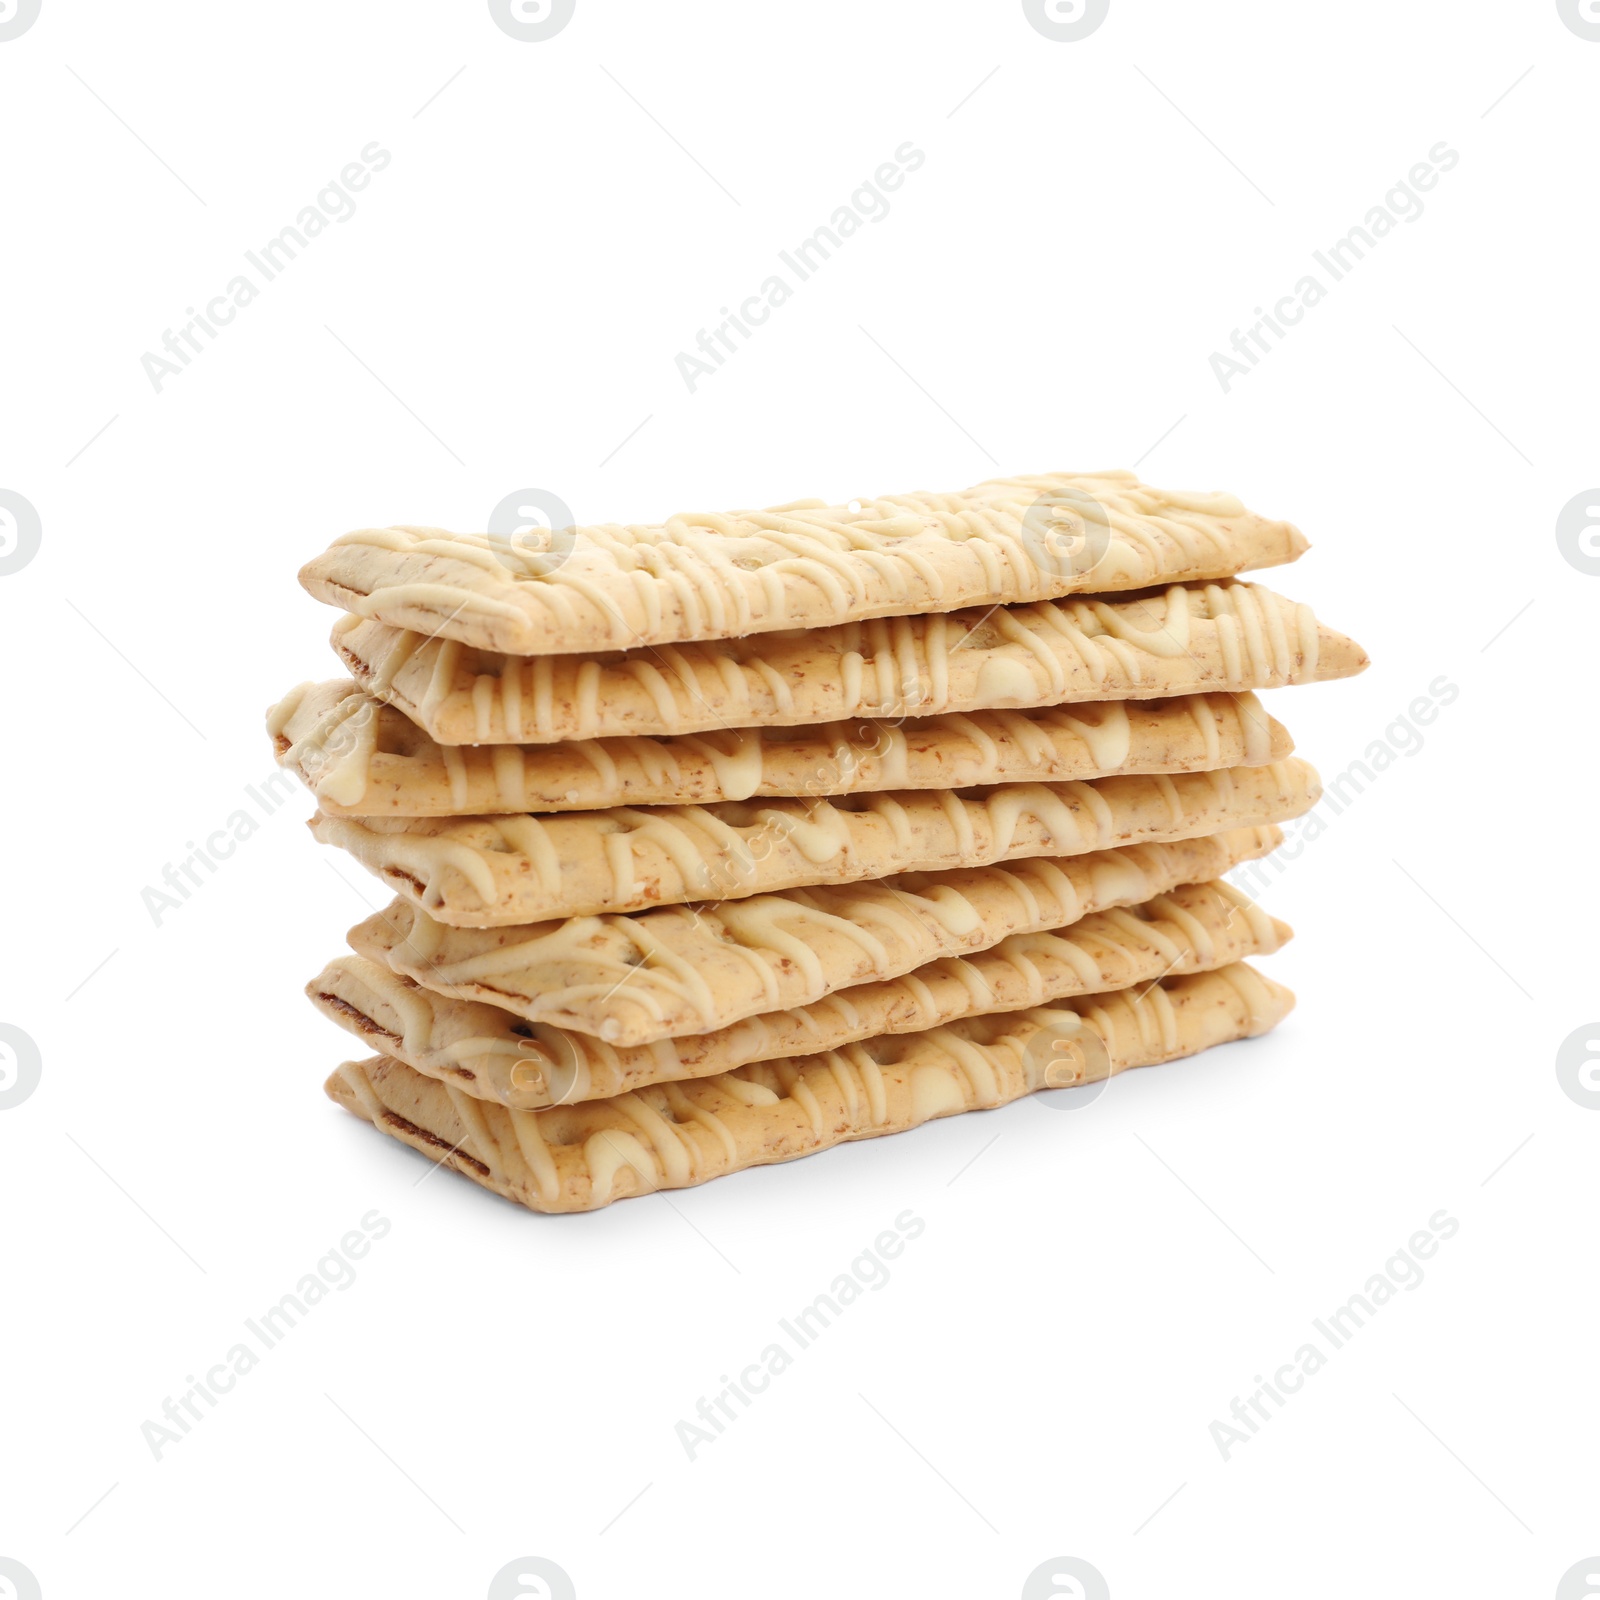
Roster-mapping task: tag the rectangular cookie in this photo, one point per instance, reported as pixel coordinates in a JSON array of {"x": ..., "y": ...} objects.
[
  {"x": 362, "y": 758},
  {"x": 1194, "y": 640},
  {"x": 794, "y": 566},
  {"x": 672, "y": 1135},
  {"x": 493, "y": 1054},
  {"x": 631, "y": 980},
  {"x": 487, "y": 872}
]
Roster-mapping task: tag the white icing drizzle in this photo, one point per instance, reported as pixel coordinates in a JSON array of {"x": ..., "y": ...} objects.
[
  {"x": 578, "y": 1157},
  {"x": 529, "y": 836},
  {"x": 675, "y": 1154},
  {"x": 535, "y": 1153},
  {"x": 607, "y": 1152},
  {"x": 1235, "y": 635},
  {"x": 981, "y": 1080},
  {"x": 789, "y": 949},
  {"x": 685, "y": 1108},
  {"x": 355, "y": 1075},
  {"x": 747, "y": 1092},
  {"x": 480, "y": 1140},
  {"x": 799, "y": 1091},
  {"x": 734, "y": 573},
  {"x": 936, "y": 1091}
]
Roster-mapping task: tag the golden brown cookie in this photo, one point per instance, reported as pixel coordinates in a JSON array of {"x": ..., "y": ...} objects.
[
  {"x": 363, "y": 758},
  {"x": 631, "y": 980},
  {"x": 494, "y": 1054},
  {"x": 672, "y": 1135},
  {"x": 1194, "y": 640},
  {"x": 800, "y": 565},
  {"x": 488, "y": 872}
]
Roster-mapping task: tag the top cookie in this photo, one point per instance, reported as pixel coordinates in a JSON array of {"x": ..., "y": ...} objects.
[{"x": 719, "y": 576}]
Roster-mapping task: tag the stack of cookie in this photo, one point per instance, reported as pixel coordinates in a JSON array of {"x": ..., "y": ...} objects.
[{"x": 721, "y": 841}]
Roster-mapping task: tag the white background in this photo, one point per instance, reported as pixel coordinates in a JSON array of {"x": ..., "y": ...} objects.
[{"x": 1091, "y": 1290}]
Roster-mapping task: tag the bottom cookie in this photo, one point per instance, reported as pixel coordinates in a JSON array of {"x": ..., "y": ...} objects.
[{"x": 671, "y": 1135}]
